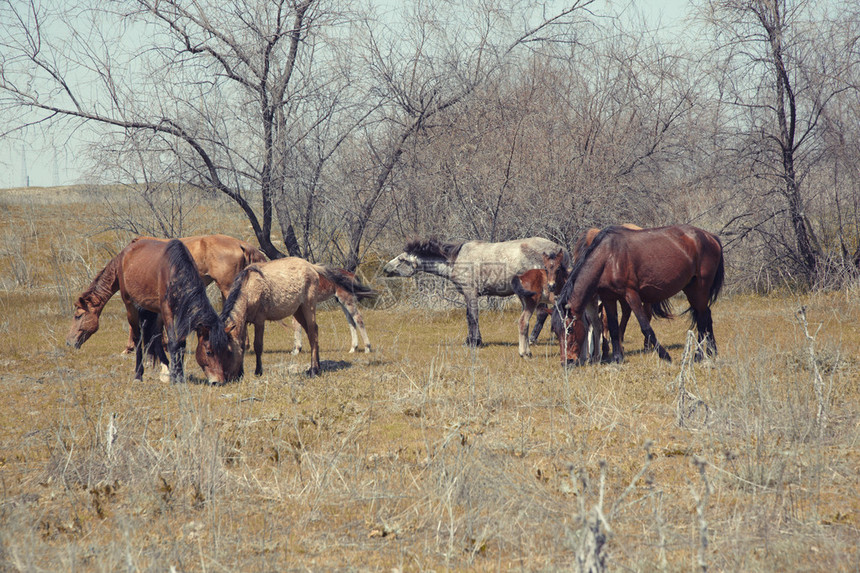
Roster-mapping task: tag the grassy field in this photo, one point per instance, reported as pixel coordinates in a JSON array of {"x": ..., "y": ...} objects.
[{"x": 424, "y": 455}]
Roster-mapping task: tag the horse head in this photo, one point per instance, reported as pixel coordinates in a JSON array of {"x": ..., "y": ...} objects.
[
  {"x": 85, "y": 323},
  {"x": 555, "y": 274},
  {"x": 579, "y": 333},
  {"x": 403, "y": 265},
  {"x": 219, "y": 355}
]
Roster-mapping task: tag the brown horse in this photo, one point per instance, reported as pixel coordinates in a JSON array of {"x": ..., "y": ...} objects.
[
  {"x": 639, "y": 267},
  {"x": 159, "y": 284},
  {"x": 219, "y": 259},
  {"x": 661, "y": 310},
  {"x": 348, "y": 299},
  {"x": 274, "y": 291},
  {"x": 536, "y": 288}
]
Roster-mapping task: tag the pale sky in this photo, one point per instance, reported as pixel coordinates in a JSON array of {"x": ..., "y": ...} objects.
[{"x": 48, "y": 161}]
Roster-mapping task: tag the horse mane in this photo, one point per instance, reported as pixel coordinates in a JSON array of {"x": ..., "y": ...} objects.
[
  {"x": 435, "y": 248},
  {"x": 578, "y": 265},
  {"x": 236, "y": 290},
  {"x": 349, "y": 282},
  {"x": 103, "y": 286},
  {"x": 186, "y": 295}
]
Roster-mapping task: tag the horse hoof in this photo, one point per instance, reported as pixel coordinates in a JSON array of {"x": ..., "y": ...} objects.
[
  {"x": 367, "y": 350},
  {"x": 296, "y": 351},
  {"x": 351, "y": 350},
  {"x": 474, "y": 343}
]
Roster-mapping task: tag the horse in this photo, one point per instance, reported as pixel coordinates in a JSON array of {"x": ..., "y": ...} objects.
[
  {"x": 662, "y": 309},
  {"x": 348, "y": 299},
  {"x": 219, "y": 259},
  {"x": 159, "y": 284},
  {"x": 275, "y": 290},
  {"x": 646, "y": 266},
  {"x": 476, "y": 268},
  {"x": 536, "y": 288}
]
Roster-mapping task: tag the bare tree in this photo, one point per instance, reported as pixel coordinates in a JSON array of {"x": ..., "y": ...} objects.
[
  {"x": 258, "y": 96},
  {"x": 216, "y": 78},
  {"x": 769, "y": 73}
]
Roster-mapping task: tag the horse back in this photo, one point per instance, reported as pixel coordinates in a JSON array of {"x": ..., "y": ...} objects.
[
  {"x": 665, "y": 259},
  {"x": 284, "y": 285},
  {"x": 490, "y": 267},
  {"x": 143, "y": 273}
]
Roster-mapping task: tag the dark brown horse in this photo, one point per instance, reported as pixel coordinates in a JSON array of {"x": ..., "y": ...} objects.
[
  {"x": 662, "y": 309},
  {"x": 159, "y": 280},
  {"x": 640, "y": 267},
  {"x": 219, "y": 259}
]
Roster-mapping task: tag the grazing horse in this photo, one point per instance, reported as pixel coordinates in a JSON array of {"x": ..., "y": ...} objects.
[
  {"x": 476, "y": 268},
  {"x": 219, "y": 259},
  {"x": 538, "y": 287},
  {"x": 273, "y": 291},
  {"x": 348, "y": 299},
  {"x": 662, "y": 309},
  {"x": 159, "y": 284},
  {"x": 640, "y": 267}
]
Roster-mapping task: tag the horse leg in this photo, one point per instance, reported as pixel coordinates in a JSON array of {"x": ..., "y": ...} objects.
[
  {"x": 297, "y": 335},
  {"x": 259, "y": 328},
  {"x": 129, "y": 346},
  {"x": 540, "y": 319},
  {"x": 474, "y": 336},
  {"x": 307, "y": 318},
  {"x": 611, "y": 311},
  {"x": 523, "y": 325},
  {"x": 355, "y": 322},
  {"x": 625, "y": 318},
  {"x": 644, "y": 319},
  {"x": 134, "y": 335},
  {"x": 177, "y": 360},
  {"x": 697, "y": 296}
]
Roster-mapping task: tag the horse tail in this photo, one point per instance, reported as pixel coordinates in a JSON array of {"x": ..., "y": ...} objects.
[
  {"x": 662, "y": 309},
  {"x": 348, "y": 281},
  {"x": 719, "y": 277},
  {"x": 519, "y": 289},
  {"x": 150, "y": 335}
]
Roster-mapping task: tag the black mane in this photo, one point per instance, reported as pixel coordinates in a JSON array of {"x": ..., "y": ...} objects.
[
  {"x": 580, "y": 261},
  {"x": 186, "y": 296},
  {"x": 434, "y": 248}
]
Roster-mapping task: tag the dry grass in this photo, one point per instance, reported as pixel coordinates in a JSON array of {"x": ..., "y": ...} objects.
[{"x": 424, "y": 454}]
